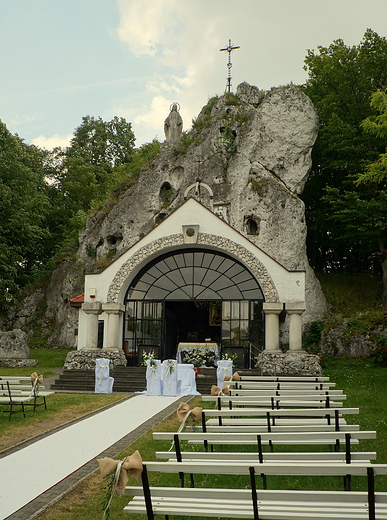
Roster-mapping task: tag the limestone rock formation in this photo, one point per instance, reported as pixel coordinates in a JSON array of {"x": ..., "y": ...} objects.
[
  {"x": 13, "y": 345},
  {"x": 254, "y": 150},
  {"x": 14, "y": 351}
]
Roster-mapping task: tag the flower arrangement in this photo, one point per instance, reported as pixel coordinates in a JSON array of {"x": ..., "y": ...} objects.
[
  {"x": 200, "y": 357},
  {"x": 148, "y": 356},
  {"x": 170, "y": 366},
  {"x": 228, "y": 356}
]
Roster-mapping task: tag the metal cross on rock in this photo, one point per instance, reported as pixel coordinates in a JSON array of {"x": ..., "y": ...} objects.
[{"x": 229, "y": 49}]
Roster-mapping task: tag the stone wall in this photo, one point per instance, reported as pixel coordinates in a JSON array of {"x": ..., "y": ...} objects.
[
  {"x": 289, "y": 364},
  {"x": 84, "y": 359}
]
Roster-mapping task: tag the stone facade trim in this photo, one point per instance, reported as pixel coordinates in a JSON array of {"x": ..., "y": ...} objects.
[{"x": 218, "y": 242}]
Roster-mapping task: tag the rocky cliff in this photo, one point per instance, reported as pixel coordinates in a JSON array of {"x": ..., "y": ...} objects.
[{"x": 253, "y": 150}]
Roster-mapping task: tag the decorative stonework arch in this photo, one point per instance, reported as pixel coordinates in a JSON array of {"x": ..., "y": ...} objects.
[{"x": 224, "y": 244}]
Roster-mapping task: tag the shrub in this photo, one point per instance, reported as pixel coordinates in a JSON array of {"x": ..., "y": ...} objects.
[
  {"x": 378, "y": 352},
  {"x": 313, "y": 337}
]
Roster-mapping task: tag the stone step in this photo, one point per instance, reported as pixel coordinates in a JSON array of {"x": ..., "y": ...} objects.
[{"x": 130, "y": 379}]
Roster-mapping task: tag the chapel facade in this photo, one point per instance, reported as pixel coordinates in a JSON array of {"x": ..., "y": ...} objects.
[{"x": 211, "y": 246}]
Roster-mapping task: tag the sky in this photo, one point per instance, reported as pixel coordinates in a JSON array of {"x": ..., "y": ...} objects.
[{"x": 62, "y": 60}]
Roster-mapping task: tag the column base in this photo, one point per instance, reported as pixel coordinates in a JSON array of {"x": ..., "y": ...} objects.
[{"x": 290, "y": 363}]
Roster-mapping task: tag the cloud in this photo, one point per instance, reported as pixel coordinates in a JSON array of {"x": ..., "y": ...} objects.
[
  {"x": 145, "y": 24},
  {"x": 52, "y": 142},
  {"x": 158, "y": 111},
  {"x": 175, "y": 34}
]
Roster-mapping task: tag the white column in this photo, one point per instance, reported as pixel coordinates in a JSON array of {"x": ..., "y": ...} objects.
[
  {"x": 272, "y": 312},
  {"x": 93, "y": 310},
  {"x": 295, "y": 310},
  {"x": 113, "y": 311}
]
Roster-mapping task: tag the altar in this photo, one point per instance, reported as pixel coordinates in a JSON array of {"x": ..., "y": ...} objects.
[{"x": 187, "y": 347}]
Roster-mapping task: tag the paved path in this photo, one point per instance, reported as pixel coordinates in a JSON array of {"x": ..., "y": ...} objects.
[{"x": 39, "y": 474}]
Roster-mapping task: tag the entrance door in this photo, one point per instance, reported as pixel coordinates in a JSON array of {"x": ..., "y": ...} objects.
[{"x": 190, "y": 322}]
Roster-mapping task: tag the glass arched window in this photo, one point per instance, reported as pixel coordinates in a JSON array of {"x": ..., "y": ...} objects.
[{"x": 194, "y": 275}]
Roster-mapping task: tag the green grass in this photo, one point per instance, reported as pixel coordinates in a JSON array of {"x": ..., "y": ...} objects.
[
  {"x": 61, "y": 408},
  {"x": 48, "y": 359},
  {"x": 365, "y": 386}
]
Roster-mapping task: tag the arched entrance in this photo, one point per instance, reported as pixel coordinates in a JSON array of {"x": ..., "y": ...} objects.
[{"x": 192, "y": 295}]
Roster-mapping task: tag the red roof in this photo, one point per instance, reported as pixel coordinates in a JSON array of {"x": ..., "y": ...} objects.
[{"x": 77, "y": 301}]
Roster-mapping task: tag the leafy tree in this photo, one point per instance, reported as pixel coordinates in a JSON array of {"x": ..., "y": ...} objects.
[
  {"x": 375, "y": 177},
  {"x": 99, "y": 142},
  {"x": 360, "y": 217},
  {"x": 377, "y": 126},
  {"x": 23, "y": 207},
  {"x": 340, "y": 83}
]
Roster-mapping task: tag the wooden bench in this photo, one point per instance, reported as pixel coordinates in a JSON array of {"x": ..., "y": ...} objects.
[
  {"x": 268, "y": 456},
  {"x": 271, "y": 421},
  {"x": 272, "y": 385},
  {"x": 293, "y": 394},
  {"x": 16, "y": 399},
  {"x": 19, "y": 383},
  {"x": 272, "y": 402},
  {"x": 258, "y": 416},
  {"x": 337, "y": 439},
  {"x": 285, "y": 379},
  {"x": 16, "y": 379},
  {"x": 286, "y": 412},
  {"x": 256, "y": 503}
]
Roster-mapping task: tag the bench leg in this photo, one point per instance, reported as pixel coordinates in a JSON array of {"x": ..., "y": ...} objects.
[
  {"x": 254, "y": 496},
  {"x": 371, "y": 494},
  {"x": 147, "y": 495},
  {"x": 260, "y": 453},
  {"x": 12, "y": 411}
]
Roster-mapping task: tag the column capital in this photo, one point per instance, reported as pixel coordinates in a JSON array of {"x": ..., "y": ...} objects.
[
  {"x": 273, "y": 308},
  {"x": 92, "y": 307},
  {"x": 295, "y": 307},
  {"x": 113, "y": 308}
]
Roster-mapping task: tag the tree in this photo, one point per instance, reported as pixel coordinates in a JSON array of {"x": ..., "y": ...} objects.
[
  {"x": 23, "y": 207},
  {"x": 377, "y": 126},
  {"x": 85, "y": 172},
  {"x": 376, "y": 175},
  {"x": 99, "y": 142},
  {"x": 340, "y": 83}
]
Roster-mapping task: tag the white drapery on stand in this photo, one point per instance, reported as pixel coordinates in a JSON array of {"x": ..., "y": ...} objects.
[
  {"x": 169, "y": 376},
  {"x": 224, "y": 369},
  {"x": 153, "y": 377},
  {"x": 186, "y": 382},
  {"x": 103, "y": 382}
]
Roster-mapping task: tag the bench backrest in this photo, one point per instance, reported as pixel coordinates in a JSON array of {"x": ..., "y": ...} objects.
[
  {"x": 289, "y": 412},
  {"x": 266, "y": 437},
  {"x": 267, "y": 468}
]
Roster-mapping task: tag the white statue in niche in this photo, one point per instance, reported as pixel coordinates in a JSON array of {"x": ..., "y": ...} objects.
[
  {"x": 221, "y": 211},
  {"x": 173, "y": 125}
]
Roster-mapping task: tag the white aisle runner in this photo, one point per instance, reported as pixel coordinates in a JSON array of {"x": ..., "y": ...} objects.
[{"x": 34, "y": 469}]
